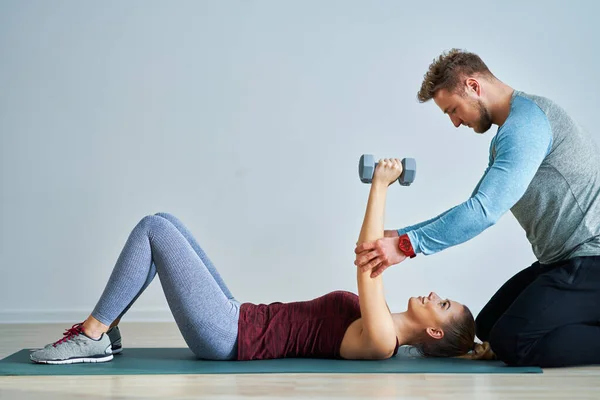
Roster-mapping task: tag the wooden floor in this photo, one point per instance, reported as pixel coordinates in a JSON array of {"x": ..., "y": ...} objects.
[{"x": 567, "y": 383}]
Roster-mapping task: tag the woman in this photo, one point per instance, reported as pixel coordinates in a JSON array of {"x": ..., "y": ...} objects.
[{"x": 216, "y": 326}]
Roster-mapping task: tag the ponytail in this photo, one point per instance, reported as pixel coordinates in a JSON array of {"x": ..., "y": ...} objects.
[{"x": 480, "y": 351}]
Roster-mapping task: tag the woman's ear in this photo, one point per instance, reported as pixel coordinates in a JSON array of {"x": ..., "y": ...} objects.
[{"x": 435, "y": 333}]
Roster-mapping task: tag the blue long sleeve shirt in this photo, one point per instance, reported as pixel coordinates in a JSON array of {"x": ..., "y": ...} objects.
[{"x": 528, "y": 171}]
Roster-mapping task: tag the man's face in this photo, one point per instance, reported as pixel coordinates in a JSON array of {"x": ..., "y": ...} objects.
[{"x": 467, "y": 110}]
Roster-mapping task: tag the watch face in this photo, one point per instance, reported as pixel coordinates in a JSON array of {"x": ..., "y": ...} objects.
[
  {"x": 405, "y": 244},
  {"x": 406, "y": 247}
]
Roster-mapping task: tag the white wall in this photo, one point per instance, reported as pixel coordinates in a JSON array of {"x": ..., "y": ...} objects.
[{"x": 246, "y": 119}]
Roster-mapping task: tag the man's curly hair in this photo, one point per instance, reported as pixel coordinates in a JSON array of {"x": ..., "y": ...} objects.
[{"x": 447, "y": 71}]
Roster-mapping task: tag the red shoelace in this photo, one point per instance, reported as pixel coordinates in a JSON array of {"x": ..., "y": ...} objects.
[{"x": 69, "y": 333}]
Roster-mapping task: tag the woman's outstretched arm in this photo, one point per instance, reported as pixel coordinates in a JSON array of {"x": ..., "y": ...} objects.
[{"x": 379, "y": 333}]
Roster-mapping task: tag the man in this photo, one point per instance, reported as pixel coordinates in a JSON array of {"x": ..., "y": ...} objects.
[{"x": 546, "y": 171}]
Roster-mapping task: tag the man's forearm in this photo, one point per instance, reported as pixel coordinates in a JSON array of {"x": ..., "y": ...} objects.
[{"x": 402, "y": 231}]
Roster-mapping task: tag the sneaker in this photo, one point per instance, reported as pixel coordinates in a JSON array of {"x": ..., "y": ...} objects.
[
  {"x": 114, "y": 334},
  {"x": 74, "y": 347}
]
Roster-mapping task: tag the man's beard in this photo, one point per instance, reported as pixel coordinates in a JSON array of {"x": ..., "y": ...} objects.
[{"x": 485, "y": 119}]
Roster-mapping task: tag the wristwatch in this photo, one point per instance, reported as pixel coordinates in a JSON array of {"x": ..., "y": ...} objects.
[{"x": 405, "y": 246}]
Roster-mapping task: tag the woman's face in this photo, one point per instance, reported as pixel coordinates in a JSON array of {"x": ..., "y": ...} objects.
[{"x": 432, "y": 312}]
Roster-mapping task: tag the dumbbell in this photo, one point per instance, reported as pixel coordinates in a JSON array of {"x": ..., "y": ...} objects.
[{"x": 367, "y": 165}]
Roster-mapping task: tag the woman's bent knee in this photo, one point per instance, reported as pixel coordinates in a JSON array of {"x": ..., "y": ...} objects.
[
  {"x": 152, "y": 224},
  {"x": 165, "y": 215}
]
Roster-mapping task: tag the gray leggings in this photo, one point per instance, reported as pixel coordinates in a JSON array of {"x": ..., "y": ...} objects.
[{"x": 203, "y": 307}]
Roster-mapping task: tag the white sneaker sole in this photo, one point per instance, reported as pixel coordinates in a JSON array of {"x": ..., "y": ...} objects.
[{"x": 75, "y": 360}]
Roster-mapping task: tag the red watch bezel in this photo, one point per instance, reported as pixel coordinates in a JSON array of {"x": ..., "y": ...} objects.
[{"x": 406, "y": 247}]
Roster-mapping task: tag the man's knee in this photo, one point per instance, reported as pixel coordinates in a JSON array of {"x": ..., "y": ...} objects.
[
  {"x": 513, "y": 344},
  {"x": 504, "y": 341},
  {"x": 483, "y": 327}
]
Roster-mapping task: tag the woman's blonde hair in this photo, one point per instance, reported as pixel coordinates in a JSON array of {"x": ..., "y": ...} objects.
[
  {"x": 458, "y": 339},
  {"x": 481, "y": 351}
]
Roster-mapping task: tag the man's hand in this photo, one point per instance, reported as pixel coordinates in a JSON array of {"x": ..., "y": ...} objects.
[{"x": 377, "y": 256}]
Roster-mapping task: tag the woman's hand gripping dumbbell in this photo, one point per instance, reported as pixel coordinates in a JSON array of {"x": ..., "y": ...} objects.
[{"x": 367, "y": 165}]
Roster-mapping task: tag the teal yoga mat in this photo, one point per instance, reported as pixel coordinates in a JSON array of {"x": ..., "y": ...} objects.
[{"x": 162, "y": 361}]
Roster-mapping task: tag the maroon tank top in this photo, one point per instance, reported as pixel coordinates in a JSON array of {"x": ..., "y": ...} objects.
[{"x": 313, "y": 328}]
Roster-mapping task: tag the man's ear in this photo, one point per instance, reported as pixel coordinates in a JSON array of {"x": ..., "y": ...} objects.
[
  {"x": 473, "y": 86},
  {"x": 435, "y": 333}
]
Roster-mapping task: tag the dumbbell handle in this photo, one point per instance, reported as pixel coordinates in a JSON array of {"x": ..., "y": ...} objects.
[
  {"x": 409, "y": 168},
  {"x": 401, "y": 177}
]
